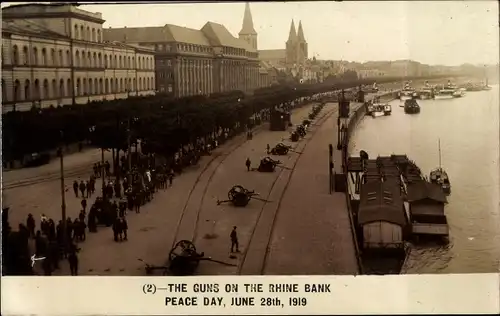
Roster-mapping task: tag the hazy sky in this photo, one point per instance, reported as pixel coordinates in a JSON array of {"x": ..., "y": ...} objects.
[{"x": 432, "y": 32}]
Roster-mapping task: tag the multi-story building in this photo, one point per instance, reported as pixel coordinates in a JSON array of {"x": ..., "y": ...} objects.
[
  {"x": 54, "y": 54},
  {"x": 205, "y": 61}
]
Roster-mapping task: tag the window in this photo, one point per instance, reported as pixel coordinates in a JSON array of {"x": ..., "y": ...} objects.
[
  {"x": 119, "y": 61},
  {"x": 82, "y": 32},
  {"x": 84, "y": 85},
  {"x": 121, "y": 86},
  {"x": 25, "y": 58},
  {"x": 55, "y": 90},
  {"x": 15, "y": 55},
  {"x": 76, "y": 32},
  {"x": 89, "y": 60},
  {"x": 99, "y": 60},
  {"x": 17, "y": 91},
  {"x": 93, "y": 35},
  {"x": 77, "y": 59},
  {"x": 98, "y": 36},
  {"x": 96, "y": 87},
  {"x": 168, "y": 47},
  {"x": 87, "y": 37},
  {"x": 101, "y": 88},
  {"x": 117, "y": 87},
  {"x": 61, "y": 57},
  {"x": 61, "y": 88},
  {"x": 105, "y": 61},
  {"x": 27, "y": 90},
  {"x": 69, "y": 88},
  {"x": 95, "y": 62},
  {"x": 129, "y": 65},
  {"x": 78, "y": 87},
  {"x": 115, "y": 62},
  {"x": 68, "y": 59},
  {"x": 133, "y": 85},
  {"x": 36, "y": 93},
  {"x": 35, "y": 56},
  {"x": 111, "y": 85},
  {"x": 46, "y": 91},
  {"x": 106, "y": 86},
  {"x": 91, "y": 87},
  {"x": 53, "y": 57}
]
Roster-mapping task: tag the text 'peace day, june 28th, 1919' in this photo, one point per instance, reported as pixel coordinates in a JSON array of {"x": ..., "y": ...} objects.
[{"x": 250, "y": 294}]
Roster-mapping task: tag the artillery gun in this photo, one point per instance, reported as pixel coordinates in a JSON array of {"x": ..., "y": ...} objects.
[
  {"x": 240, "y": 197},
  {"x": 183, "y": 260},
  {"x": 281, "y": 150},
  {"x": 268, "y": 164}
]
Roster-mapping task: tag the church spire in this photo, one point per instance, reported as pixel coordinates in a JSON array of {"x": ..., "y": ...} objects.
[
  {"x": 300, "y": 33},
  {"x": 247, "y": 27},
  {"x": 292, "y": 37}
]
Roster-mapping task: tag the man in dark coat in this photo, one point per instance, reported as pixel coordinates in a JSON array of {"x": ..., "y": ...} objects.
[
  {"x": 234, "y": 240},
  {"x": 30, "y": 224},
  {"x": 73, "y": 258},
  {"x": 248, "y": 163},
  {"x": 75, "y": 187}
]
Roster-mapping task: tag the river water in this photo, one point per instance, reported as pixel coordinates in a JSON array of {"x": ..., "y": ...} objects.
[{"x": 468, "y": 128}]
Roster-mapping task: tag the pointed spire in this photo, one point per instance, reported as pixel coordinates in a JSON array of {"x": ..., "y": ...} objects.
[
  {"x": 247, "y": 27},
  {"x": 300, "y": 33},
  {"x": 292, "y": 37}
]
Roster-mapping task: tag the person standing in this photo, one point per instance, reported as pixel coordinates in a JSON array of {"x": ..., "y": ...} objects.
[
  {"x": 248, "y": 163},
  {"x": 30, "y": 224},
  {"x": 73, "y": 259},
  {"x": 234, "y": 240}
]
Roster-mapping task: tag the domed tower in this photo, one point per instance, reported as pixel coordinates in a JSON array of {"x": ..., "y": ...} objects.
[
  {"x": 291, "y": 46},
  {"x": 302, "y": 52},
  {"x": 248, "y": 32}
]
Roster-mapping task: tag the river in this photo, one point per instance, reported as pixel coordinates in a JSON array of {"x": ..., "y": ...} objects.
[{"x": 468, "y": 128}]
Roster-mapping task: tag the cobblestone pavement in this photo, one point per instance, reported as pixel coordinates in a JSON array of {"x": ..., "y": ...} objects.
[
  {"x": 313, "y": 234},
  {"x": 152, "y": 232}
]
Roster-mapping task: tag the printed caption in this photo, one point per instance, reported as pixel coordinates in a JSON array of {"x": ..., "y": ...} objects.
[{"x": 237, "y": 295}]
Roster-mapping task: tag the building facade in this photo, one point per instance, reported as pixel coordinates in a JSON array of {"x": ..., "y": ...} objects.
[
  {"x": 56, "y": 55},
  {"x": 190, "y": 61}
]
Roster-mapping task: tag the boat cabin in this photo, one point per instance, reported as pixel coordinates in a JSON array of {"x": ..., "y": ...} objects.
[
  {"x": 381, "y": 215},
  {"x": 427, "y": 202}
]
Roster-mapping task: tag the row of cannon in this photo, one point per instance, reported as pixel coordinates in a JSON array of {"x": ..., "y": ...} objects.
[{"x": 183, "y": 258}]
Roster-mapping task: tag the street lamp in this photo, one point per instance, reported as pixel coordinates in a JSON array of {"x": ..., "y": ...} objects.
[{"x": 63, "y": 192}]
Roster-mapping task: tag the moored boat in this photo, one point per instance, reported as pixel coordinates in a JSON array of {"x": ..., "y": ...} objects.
[
  {"x": 440, "y": 176},
  {"x": 411, "y": 106},
  {"x": 427, "y": 92},
  {"x": 407, "y": 92}
]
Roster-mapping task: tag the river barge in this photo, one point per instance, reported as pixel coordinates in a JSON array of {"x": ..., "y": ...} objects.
[
  {"x": 393, "y": 205},
  {"x": 411, "y": 106}
]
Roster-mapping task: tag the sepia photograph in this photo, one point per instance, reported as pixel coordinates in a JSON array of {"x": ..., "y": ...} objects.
[{"x": 250, "y": 138}]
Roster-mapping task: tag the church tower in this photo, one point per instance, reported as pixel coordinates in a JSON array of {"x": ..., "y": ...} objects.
[
  {"x": 302, "y": 52},
  {"x": 247, "y": 32},
  {"x": 291, "y": 47}
]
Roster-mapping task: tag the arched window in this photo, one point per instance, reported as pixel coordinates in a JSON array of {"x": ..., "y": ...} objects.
[
  {"x": 35, "y": 56},
  {"x": 120, "y": 87},
  {"x": 27, "y": 90},
  {"x": 17, "y": 91},
  {"x": 77, "y": 59},
  {"x": 25, "y": 58},
  {"x": 129, "y": 65},
  {"x": 78, "y": 87},
  {"x": 85, "y": 90},
  {"x": 96, "y": 86},
  {"x": 89, "y": 59},
  {"x": 91, "y": 87},
  {"x": 120, "y": 62},
  {"x": 36, "y": 93},
  {"x": 68, "y": 59},
  {"x": 61, "y": 58},
  {"x": 117, "y": 87},
  {"x": 61, "y": 88},
  {"x": 111, "y": 85},
  {"x": 99, "y": 60},
  {"x": 106, "y": 86},
  {"x": 46, "y": 91},
  {"x": 115, "y": 65},
  {"x": 55, "y": 90},
  {"x": 4, "y": 91},
  {"x": 140, "y": 63},
  {"x": 134, "y": 66},
  {"x": 15, "y": 55},
  {"x": 129, "y": 85},
  {"x": 83, "y": 60},
  {"x": 134, "y": 85},
  {"x": 95, "y": 61},
  {"x": 98, "y": 36},
  {"x": 69, "y": 88},
  {"x": 88, "y": 34},
  {"x": 101, "y": 88},
  {"x": 105, "y": 61},
  {"x": 140, "y": 84},
  {"x": 76, "y": 36},
  {"x": 82, "y": 32},
  {"x": 44, "y": 57},
  {"x": 93, "y": 35},
  {"x": 53, "y": 57}
]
